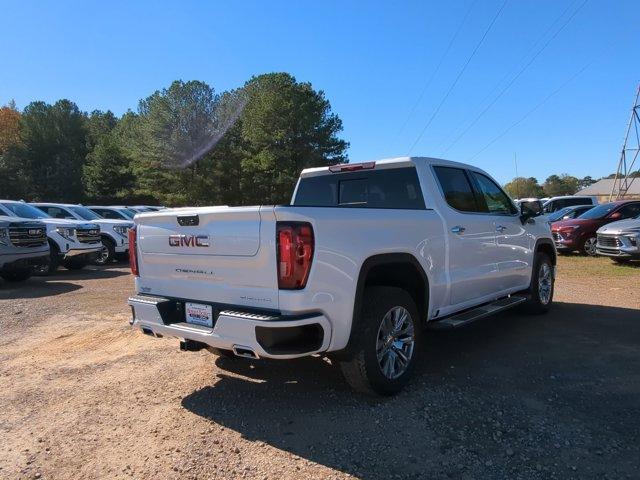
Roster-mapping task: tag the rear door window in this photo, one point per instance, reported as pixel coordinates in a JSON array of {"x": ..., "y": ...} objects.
[
  {"x": 397, "y": 188},
  {"x": 456, "y": 189},
  {"x": 630, "y": 211}
]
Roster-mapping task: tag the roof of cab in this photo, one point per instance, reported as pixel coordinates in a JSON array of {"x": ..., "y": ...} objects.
[{"x": 397, "y": 162}]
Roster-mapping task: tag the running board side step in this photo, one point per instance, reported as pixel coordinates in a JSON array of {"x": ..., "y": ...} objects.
[{"x": 468, "y": 316}]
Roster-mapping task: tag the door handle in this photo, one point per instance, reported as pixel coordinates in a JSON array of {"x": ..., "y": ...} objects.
[
  {"x": 500, "y": 228},
  {"x": 458, "y": 229}
]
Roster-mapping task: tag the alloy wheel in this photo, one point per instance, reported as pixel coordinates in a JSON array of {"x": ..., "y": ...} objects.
[
  {"x": 103, "y": 257},
  {"x": 590, "y": 246},
  {"x": 545, "y": 283},
  {"x": 395, "y": 342}
]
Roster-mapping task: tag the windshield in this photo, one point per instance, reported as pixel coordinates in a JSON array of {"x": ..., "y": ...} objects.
[
  {"x": 600, "y": 211},
  {"x": 24, "y": 210},
  {"x": 127, "y": 212},
  {"x": 85, "y": 213},
  {"x": 559, "y": 214}
]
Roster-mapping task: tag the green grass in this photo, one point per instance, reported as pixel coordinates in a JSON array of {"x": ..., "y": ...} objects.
[{"x": 579, "y": 266}]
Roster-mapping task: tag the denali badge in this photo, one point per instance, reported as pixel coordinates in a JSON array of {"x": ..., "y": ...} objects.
[{"x": 188, "y": 240}]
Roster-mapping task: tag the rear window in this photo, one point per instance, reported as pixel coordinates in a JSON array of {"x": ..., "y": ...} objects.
[{"x": 385, "y": 188}]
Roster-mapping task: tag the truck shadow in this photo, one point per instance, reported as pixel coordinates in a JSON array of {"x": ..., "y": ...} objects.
[
  {"x": 491, "y": 399},
  {"x": 35, "y": 288},
  {"x": 57, "y": 284}
]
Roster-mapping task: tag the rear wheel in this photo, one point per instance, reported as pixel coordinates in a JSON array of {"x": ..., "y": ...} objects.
[
  {"x": 542, "y": 284},
  {"x": 17, "y": 275},
  {"x": 589, "y": 246},
  {"x": 108, "y": 252},
  {"x": 386, "y": 342}
]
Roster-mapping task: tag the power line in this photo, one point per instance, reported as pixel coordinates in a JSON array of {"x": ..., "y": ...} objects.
[
  {"x": 437, "y": 69},
  {"x": 464, "y": 67},
  {"x": 513, "y": 80},
  {"x": 508, "y": 74},
  {"x": 526, "y": 115}
]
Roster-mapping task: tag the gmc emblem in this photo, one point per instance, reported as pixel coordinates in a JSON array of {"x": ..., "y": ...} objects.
[{"x": 188, "y": 240}]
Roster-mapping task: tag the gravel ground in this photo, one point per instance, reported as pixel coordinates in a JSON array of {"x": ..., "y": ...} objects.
[{"x": 514, "y": 396}]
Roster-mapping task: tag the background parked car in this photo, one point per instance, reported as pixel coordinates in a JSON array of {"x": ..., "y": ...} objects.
[
  {"x": 23, "y": 245},
  {"x": 565, "y": 213},
  {"x": 579, "y": 234},
  {"x": 113, "y": 233},
  {"x": 532, "y": 204},
  {"x": 71, "y": 242},
  {"x": 556, "y": 203},
  {"x": 620, "y": 240},
  {"x": 116, "y": 213}
]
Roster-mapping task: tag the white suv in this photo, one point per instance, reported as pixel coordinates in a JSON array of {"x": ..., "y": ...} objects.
[
  {"x": 72, "y": 243},
  {"x": 113, "y": 233}
]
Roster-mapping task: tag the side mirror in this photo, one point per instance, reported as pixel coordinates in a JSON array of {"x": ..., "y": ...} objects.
[{"x": 526, "y": 213}]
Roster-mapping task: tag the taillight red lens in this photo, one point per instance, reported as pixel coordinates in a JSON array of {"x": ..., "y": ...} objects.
[
  {"x": 295, "y": 253},
  {"x": 133, "y": 251}
]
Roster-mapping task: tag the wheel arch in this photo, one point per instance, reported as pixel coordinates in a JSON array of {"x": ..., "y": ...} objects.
[
  {"x": 401, "y": 270},
  {"x": 545, "y": 245}
]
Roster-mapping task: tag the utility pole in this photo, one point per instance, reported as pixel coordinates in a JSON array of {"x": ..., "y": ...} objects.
[
  {"x": 515, "y": 161},
  {"x": 629, "y": 154}
]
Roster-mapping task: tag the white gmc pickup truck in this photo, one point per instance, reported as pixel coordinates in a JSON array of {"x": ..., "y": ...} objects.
[{"x": 362, "y": 259}]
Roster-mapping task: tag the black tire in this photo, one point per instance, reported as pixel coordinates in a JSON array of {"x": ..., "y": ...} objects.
[
  {"x": 589, "y": 247},
  {"x": 122, "y": 257},
  {"x": 538, "y": 302},
  {"x": 74, "y": 264},
  {"x": 108, "y": 252},
  {"x": 17, "y": 275},
  {"x": 363, "y": 371},
  {"x": 54, "y": 262}
]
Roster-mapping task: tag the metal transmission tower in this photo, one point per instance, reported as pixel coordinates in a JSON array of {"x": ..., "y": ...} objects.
[{"x": 629, "y": 155}]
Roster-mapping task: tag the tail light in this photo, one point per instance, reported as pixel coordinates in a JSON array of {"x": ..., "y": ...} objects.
[
  {"x": 295, "y": 253},
  {"x": 133, "y": 251}
]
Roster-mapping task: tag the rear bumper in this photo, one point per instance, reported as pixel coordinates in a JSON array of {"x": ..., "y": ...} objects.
[{"x": 267, "y": 335}]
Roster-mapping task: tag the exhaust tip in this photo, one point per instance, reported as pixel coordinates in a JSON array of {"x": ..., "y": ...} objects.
[{"x": 244, "y": 352}]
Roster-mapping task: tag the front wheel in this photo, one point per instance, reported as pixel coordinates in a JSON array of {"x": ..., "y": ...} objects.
[
  {"x": 385, "y": 342},
  {"x": 542, "y": 284},
  {"x": 589, "y": 247},
  {"x": 17, "y": 275},
  {"x": 107, "y": 254},
  {"x": 74, "y": 264}
]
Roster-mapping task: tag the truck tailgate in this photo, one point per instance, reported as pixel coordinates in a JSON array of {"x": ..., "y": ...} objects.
[{"x": 211, "y": 254}]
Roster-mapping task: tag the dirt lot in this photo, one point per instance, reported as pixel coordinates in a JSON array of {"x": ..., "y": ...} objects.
[{"x": 557, "y": 396}]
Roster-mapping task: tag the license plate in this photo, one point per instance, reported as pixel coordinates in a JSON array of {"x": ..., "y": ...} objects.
[{"x": 198, "y": 314}]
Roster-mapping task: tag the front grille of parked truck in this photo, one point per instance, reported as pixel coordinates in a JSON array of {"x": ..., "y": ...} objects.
[
  {"x": 88, "y": 235},
  {"x": 609, "y": 241},
  {"x": 27, "y": 236}
]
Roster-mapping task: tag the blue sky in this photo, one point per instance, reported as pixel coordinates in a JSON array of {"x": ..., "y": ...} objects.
[{"x": 371, "y": 59}]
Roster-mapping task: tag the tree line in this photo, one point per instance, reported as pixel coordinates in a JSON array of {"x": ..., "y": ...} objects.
[
  {"x": 183, "y": 145},
  {"x": 553, "y": 186}
]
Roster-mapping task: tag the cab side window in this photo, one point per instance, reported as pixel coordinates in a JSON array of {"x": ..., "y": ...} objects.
[
  {"x": 497, "y": 202},
  {"x": 457, "y": 189}
]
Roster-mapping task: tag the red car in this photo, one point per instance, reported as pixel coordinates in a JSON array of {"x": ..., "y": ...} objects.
[{"x": 579, "y": 234}]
